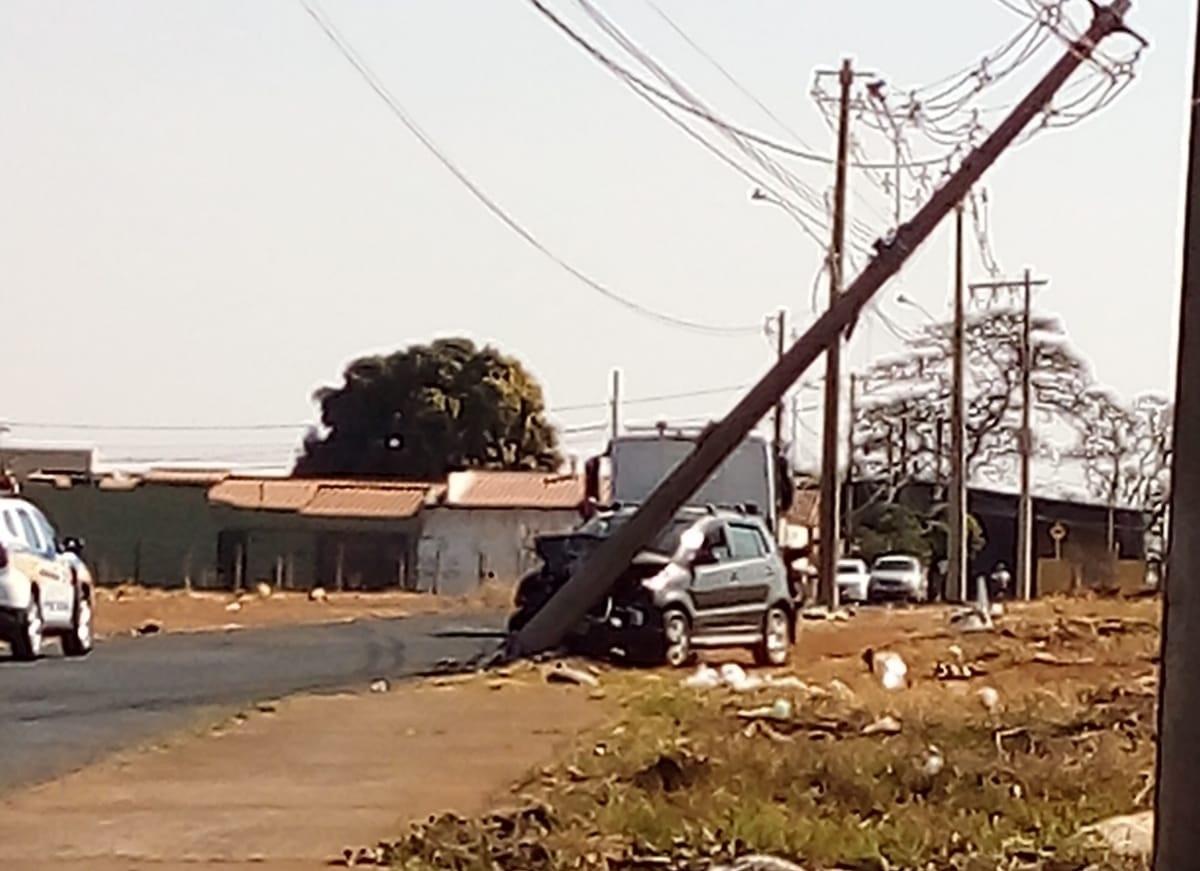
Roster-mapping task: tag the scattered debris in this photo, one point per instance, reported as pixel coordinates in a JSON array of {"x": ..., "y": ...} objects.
[
  {"x": 787, "y": 682},
  {"x": 932, "y": 761},
  {"x": 780, "y": 710},
  {"x": 1131, "y": 835},
  {"x": 736, "y": 679},
  {"x": 764, "y": 727},
  {"x": 1047, "y": 658},
  {"x": 821, "y": 612},
  {"x": 956, "y": 671},
  {"x": 989, "y": 697},
  {"x": 266, "y": 708},
  {"x": 318, "y": 594},
  {"x": 380, "y": 685},
  {"x": 885, "y": 725},
  {"x": 451, "y": 680},
  {"x": 263, "y": 590},
  {"x": 889, "y": 667},
  {"x": 234, "y": 606},
  {"x": 150, "y": 627},
  {"x": 704, "y": 678},
  {"x": 759, "y": 863},
  {"x": 597, "y": 695},
  {"x": 563, "y": 673},
  {"x": 840, "y": 691},
  {"x": 971, "y": 620}
]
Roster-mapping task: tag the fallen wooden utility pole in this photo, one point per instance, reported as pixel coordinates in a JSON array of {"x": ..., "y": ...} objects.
[
  {"x": 1177, "y": 774},
  {"x": 595, "y": 578}
]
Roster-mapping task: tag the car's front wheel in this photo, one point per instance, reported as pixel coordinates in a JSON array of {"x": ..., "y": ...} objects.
[
  {"x": 79, "y": 638},
  {"x": 27, "y": 644},
  {"x": 677, "y": 638},
  {"x": 776, "y": 645}
]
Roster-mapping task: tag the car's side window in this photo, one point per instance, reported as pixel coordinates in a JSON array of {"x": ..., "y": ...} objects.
[
  {"x": 10, "y": 524},
  {"x": 746, "y": 542},
  {"x": 717, "y": 543},
  {"x": 32, "y": 539},
  {"x": 49, "y": 538}
]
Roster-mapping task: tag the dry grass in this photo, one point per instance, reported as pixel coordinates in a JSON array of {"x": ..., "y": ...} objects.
[{"x": 681, "y": 779}]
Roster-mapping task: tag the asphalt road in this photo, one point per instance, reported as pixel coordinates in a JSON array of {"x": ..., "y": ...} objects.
[{"x": 59, "y": 714}]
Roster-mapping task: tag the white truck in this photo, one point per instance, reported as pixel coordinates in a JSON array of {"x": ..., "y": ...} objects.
[{"x": 638, "y": 462}]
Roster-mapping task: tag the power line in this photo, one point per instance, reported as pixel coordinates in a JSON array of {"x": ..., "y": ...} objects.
[
  {"x": 355, "y": 60},
  {"x": 653, "y": 95}
]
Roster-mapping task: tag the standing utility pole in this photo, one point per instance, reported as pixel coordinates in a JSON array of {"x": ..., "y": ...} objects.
[
  {"x": 1025, "y": 555},
  {"x": 780, "y": 325},
  {"x": 1176, "y": 835},
  {"x": 956, "y": 549},
  {"x": 615, "y": 403},
  {"x": 848, "y": 508},
  {"x": 830, "y": 491},
  {"x": 592, "y": 581}
]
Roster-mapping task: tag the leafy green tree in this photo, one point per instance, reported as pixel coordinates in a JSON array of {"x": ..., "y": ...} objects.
[
  {"x": 895, "y": 527},
  {"x": 428, "y": 410}
]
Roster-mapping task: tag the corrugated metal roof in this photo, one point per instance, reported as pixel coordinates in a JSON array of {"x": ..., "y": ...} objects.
[
  {"x": 316, "y": 497},
  {"x": 186, "y": 477},
  {"x": 489, "y": 489},
  {"x": 264, "y": 494},
  {"x": 382, "y": 502}
]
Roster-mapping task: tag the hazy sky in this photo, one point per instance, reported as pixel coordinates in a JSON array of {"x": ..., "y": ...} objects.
[{"x": 206, "y": 213}]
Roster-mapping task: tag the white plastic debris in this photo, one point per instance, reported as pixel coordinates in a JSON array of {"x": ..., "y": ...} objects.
[
  {"x": 705, "y": 677},
  {"x": 780, "y": 710},
  {"x": 380, "y": 685},
  {"x": 956, "y": 652},
  {"x": 736, "y": 679},
  {"x": 989, "y": 698},
  {"x": 759, "y": 863},
  {"x": 234, "y": 606},
  {"x": 317, "y": 594},
  {"x": 888, "y": 667},
  {"x": 263, "y": 589},
  {"x": 787, "y": 682},
  {"x": 885, "y": 725},
  {"x": 563, "y": 673},
  {"x": 841, "y": 691},
  {"x": 1129, "y": 835},
  {"x": 932, "y": 761}
]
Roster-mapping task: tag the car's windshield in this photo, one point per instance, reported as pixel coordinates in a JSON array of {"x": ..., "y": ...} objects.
[
  {"x": 666, "y": 543},
  {"x": 850, "y": 568},
  {"x": 896, "y": 562}
]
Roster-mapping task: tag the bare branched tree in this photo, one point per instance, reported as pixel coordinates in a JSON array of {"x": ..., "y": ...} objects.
[
  {"x": 1126, "y": 453},
  {"x": 901, "y": 432}
]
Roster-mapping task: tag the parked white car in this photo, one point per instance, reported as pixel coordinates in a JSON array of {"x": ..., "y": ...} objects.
[
  {"x": 899, "y": 576},
  {"x": 45, "y": 587},
  {"x": 853, "y": 580}
]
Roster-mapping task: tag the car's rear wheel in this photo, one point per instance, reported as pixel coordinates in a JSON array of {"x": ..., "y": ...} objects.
[
  {"x": 677, "y": 638},
  {"x": 27, "y": 644},
  {"x": 78, "y": 640},
  {"x": 776, "y": 645}
]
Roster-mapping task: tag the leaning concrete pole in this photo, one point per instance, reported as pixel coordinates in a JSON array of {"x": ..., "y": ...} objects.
[
  {"x": 597, "y": 575},
  {"x": 1177, "y": 778}
]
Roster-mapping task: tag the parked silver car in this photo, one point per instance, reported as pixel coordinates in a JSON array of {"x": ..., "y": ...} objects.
[
  {"x": 898, "y": 576},
  {"x": 713, "y": 579}
]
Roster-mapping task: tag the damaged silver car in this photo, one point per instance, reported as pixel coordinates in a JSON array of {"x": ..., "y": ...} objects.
[{"x": 714, "y": 578}]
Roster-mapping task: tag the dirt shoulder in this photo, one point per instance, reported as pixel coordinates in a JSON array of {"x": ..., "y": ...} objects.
[
  {"x": 289, "y": 785},
  {"x": 127, "y": 609},
  {"x": 1001, "y": 749}
]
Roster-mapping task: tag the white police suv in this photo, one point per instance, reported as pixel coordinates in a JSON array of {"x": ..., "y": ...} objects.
[{"x": 46, "y": 590}]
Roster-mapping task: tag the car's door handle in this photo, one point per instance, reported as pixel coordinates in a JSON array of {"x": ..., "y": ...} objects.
[{"x": 734, "y": 576}]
